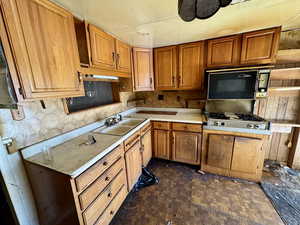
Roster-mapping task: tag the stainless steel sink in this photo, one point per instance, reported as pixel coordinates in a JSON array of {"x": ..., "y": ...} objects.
[{"x": 121, "y": 128}]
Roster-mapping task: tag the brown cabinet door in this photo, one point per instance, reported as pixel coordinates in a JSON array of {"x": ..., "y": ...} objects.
[
  {"x": 161, "y": 141},
  {"x": 45, "y": 48},
  {"x": 165, "y": 63},
  {"x": 186, "y": 147},
  {"x": 102, "y": 49},
  {"x": 224, "y": 51},
  {"x": 143, "y": 69},
  {"x": 146, "y": 148},
  {"x": 133, "y": 165},
  {"x": 245, "y": 157},
  {"x": 191, "y": 66},
  {"x": 219, "y": 151},
  {"x": 260, "y": 47},
  {"x": 123, "y": 57}
]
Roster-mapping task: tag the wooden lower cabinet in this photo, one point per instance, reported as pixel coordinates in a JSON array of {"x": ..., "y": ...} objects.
[
  {"x": 146, "y": 142},
  {"x": 133, "y": 164},
  {"x": 180, "y": 142},
  {"x": 233, "y": 154},
  {"x": 161, "y": 139},
  {"x": 186, "y": 147},
  {"x": 94, "y": 200}
]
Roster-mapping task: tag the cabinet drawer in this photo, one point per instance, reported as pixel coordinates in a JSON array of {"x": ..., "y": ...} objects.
[
  {"x": 145, "y": 129},
  {"x": 98, "y": 206},
  {"x": 89, "y": 195},
  {"x": 111, "y": 210},
  {"x": 187, "y": 127},
  {"x": 98, "y": 168},
  {"x": 162, "y": 125},
  {"x": 132, "y": 140}
]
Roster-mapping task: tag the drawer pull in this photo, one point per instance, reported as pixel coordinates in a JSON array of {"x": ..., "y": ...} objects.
[
  {"x": 107, "y": 178},
  {"x": 105, "y": 164},
  {"x": 109, "y": 194},
  {"x": 112, "y": 212}
]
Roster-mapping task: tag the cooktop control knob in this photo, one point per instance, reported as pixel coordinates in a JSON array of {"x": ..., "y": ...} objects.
[
  {"x": 251, "y": 126},
  {"x": 218, "y": 123},
  {"x": 257, "y": 126}
]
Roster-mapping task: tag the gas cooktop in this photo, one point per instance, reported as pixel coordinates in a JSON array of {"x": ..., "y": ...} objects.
[{"x": 237, "y": 120}]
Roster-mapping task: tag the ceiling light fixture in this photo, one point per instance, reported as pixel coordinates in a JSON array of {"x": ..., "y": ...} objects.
[{"x": 188, "y": 10}]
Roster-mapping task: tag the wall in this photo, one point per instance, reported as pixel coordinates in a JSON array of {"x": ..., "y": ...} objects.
[
  {"x": 41, "y": 124},
  {"x": 172, "y": 99}
]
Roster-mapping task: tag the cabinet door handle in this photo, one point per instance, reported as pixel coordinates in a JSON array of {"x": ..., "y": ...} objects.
[
  {"x": 109, "y": 194},
  {"x": 118, "y": 59},
  {"x": 173, "y": 79},
  {"x": 105, "y": 164},
  {"x": 112, "y": 212},
  {"x": 107, "y": 178},
  {"x": 179, "y": 79},
  {"x": 113, "y": 57},
  {"x": 151, "y": 81}
]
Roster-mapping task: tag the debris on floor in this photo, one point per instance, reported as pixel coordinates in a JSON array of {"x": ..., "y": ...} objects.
[{"x": 283, "y": 191}]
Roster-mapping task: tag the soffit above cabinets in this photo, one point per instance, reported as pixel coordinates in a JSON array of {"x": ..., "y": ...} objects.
[{"x": 154, "y": 23}]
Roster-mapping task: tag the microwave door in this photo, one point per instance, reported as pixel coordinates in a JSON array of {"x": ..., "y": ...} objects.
[
  {"x": 241, "y": 85},
  {"x": 8, "y": 99}
]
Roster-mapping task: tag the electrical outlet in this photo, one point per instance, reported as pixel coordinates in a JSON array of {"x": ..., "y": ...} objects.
[{"x": 161, "y": 97}]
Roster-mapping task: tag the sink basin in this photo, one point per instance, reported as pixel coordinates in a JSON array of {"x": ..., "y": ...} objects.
[{"x": 121, "y": 128}]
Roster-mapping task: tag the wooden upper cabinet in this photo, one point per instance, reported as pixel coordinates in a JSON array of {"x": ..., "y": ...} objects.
[
  {"x": 165, "y": 68},
  {"x": 224, "y": 51},
  {"x": 186, "y": 147},
  {"x": 260, "y": 47},
  {"x": 103, "y": 52},
  {"x": 143, "y": 69},
  {"x": 43, "y": 39},
  {"x": 191, "y": 66},
  {"x": 123, "y": 57}
]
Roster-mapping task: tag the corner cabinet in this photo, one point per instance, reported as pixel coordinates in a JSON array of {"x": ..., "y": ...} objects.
[
  {"x": 238, "y": 155},
  {"x": 143, "y": 69},
  {"x": 191, "y": 66},
  {"x": 224, "y": 51},
  {"x": 165, "y": 64},
  {"x": 260, "y": 47},
  {"x": 43, "y": 40}
]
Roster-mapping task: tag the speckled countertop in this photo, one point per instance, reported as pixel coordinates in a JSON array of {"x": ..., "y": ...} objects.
[
  {"x": 72, "y": 157},
  {"x": 182, "y": 116}
]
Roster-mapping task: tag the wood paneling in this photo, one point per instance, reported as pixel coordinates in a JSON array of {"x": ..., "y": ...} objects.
[
  {"x": 165, "y": 61},
  {"x": 224, "y": 51},
  {"x": 219, "y": 152},
  {"x": 44, "y": 45},
  {"x": 102, "y": 49},
  {"x": 146, "y": 142},
  {"x": 186, "y": 147},
  {"x": 143, "y": 69},
  {"x": 123, "y": 57},
  {"x": 161, "y": 142},
  {"x": 278, "y": 107},
  {"x": 191, "y": 66},
  {"x": 260, "y": 47},
  {"x": 133, "y": 165}
]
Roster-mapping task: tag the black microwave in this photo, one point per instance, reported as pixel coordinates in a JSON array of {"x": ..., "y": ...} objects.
[{"x": 238, "y": 84}]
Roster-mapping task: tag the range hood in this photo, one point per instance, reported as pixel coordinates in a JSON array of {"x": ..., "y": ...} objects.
[
  {"x": 91, "y": 77},
  {"x": 8, "y": 99}
]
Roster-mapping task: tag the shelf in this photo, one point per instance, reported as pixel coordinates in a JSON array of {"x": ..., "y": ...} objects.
[
  {"x": 286, "y": 74},
  {"x": 288, "y": 56}
]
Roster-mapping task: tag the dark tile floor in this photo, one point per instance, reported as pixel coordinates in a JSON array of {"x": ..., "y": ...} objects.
[{"x": 185, "y": 197}]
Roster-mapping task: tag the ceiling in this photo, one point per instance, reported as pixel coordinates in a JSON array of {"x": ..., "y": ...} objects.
[{"x": 154, "y": 23}]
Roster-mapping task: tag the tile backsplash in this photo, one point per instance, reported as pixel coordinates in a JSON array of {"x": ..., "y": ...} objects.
[
  {"x": 41, "y": 124},
  {"x": 172, "y": 99}
]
